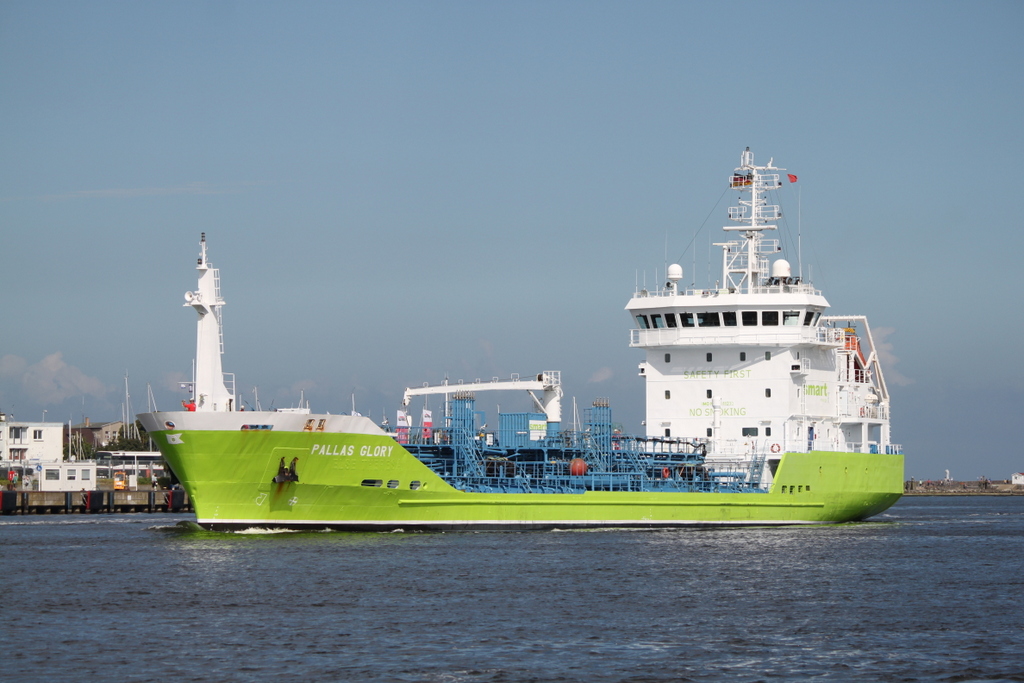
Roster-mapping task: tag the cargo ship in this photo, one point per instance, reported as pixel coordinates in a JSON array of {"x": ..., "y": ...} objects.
[{"x": 761, "y": 409}]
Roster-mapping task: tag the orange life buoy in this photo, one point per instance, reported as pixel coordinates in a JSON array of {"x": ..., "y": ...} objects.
[
  {"x": 666, "y": 473},
  {"x": 776, "y": 448}
]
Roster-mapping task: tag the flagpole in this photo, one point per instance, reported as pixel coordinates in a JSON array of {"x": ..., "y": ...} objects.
[{"x": 799, "y": 231}]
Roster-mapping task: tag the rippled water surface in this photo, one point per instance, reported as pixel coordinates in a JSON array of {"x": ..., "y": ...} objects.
[{"x": 929, "y": 591}]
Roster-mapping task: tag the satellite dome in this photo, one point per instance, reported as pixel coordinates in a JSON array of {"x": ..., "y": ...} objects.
[
  {"x": 781, "y": 268},
  {"x": 675, "y": 272}
]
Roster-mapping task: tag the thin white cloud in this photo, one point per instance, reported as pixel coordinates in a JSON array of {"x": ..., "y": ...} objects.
[
  {"x": 601, "y": 375},
  {"x": 51, "y": 380},
  {"x": 887, "y": 358}
]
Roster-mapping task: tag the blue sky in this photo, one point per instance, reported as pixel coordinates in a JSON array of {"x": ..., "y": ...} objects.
[{"x": 399, "y": 191}]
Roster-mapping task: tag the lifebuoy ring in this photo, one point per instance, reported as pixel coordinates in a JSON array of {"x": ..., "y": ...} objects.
[
  {"x": 776, "y": 448},
  {"x": 862, "y": 411},
  {"x": 666, "y": 473}
]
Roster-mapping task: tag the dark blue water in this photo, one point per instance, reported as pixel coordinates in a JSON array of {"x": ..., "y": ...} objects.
[{"x": 931, "y": 591}]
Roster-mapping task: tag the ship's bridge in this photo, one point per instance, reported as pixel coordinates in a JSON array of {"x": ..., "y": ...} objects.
[{"x": 773, "y": 314}]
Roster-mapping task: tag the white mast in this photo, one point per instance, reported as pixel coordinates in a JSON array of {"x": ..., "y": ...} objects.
[
  {"x": 744, "y": 268},
  {"x": 211, "y": 392}
]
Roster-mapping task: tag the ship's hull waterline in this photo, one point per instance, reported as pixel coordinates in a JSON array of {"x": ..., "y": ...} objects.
[{"x": 229, "y": 476}]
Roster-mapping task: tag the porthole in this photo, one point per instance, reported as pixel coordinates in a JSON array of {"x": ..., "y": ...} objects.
[
  {"x": 372, "y": 482},
  {"x": 393, "y": 484},
  {"x": 415, "y": 485}
]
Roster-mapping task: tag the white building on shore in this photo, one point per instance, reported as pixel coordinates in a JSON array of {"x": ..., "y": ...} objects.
[{"x": 32, "y": 458}]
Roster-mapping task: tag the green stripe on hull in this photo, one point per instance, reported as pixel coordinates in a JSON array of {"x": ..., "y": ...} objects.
[{"x": 228, "y": 476}]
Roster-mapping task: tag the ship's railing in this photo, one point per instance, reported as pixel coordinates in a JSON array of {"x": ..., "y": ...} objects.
[
  {"x": 693, "y": 336},
  {"x": 797, "y": 288},
  {"x": 868, "y": 410}
]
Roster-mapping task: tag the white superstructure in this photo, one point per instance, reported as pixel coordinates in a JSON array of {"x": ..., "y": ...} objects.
[
  {"x": 210, "y": 390},
  {"x": 754, "y": 368}
]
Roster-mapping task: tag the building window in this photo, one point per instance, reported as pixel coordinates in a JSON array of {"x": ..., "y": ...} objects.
[
  {"x": 750, "y": 431},
  {"x": 686, "y": 319},
  {"x": 767, "y": 355},
  {"x": 656, "y": 322},
  {"x": 670, "y": 319},
  {"x": 668, "y": 394},
  {"x": 749, "y": 318},
  {"x": 743, "y": 355},
  {"x": 709, "y": 393},
  {"x": 729, "y": 318},
  {"x": 37, "y": 434},
  {"x": 767, "y": 393},
  {"x": 770, "y": 318},
  {"x": 808, "y": 316},
  {"x": 52, "y": 475},
  {"x": 72, "y": 475},
  {"x": 644, "y": 325},
  {"x": 791, "y": 317},
  {"x": 86, "y": 475},
  {"x": 709, "y": 357},
  {"x": 668, "y": 357}
]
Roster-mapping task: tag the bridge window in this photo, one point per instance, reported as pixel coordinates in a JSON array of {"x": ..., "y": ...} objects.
[
  {"x": 644, "y": 325},
  {"x": 708, "y": 319},
  {"x": 656, "y": 322},
  {"x": 686, "y": 319},
  {"x": 769, "y": 317},
  {"x": 729, "y": 318},
  {"x": 750, "y": 431},
  {"x": 670, "y": 319},
  {"x": 791, "y": 317},
  {"x": 808, "y": 317},
  {"x": 749, "y": 318}
]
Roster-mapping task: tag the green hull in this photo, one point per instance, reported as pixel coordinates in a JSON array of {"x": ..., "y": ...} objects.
[{"x": 228, "y": 476}]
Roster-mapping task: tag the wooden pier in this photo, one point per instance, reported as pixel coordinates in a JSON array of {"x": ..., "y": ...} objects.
[{"x": 95, "y": 502}]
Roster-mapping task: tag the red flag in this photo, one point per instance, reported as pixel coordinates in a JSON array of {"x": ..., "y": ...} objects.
[{"x": 792, "y": 178}]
